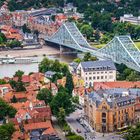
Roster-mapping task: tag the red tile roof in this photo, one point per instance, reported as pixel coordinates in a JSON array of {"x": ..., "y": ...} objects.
[
  {"x": 39, "y": 125},
  {"x": 117, "y": 84},
  {"x": 6, "y": 85}
]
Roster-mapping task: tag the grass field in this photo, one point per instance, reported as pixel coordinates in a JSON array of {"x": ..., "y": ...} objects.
[
  {"x": 137, "y": 44},
  {"x": 102, "y": 45}
]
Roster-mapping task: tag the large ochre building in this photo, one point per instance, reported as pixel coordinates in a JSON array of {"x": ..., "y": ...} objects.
[{"x": 108, "y": 110}]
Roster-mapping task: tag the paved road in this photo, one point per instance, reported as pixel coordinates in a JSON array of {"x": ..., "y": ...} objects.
[
  {"x": 58, "y": 129},
  {"x": 74, "y": 124}
]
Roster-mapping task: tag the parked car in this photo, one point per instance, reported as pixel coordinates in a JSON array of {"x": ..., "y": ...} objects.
[{"x": 78, "y": 131}]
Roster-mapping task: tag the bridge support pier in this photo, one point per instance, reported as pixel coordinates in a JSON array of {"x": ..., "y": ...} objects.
[
  {"x": 61, "y": 49},
  {"x": 64, "y": 50}
]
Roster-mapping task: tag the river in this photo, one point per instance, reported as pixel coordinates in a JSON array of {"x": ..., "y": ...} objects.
[{"x": 8, "y": 70}]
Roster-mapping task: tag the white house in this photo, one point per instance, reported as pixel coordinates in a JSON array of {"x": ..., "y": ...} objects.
[
  {"x": 130, "y": 18},
  {"x": 96, "y": 71}
]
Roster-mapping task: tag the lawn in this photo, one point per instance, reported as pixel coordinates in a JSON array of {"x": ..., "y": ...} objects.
[
  {"x": 102, "y": 45},
  {"x": 97, "y": 45},
  {"x": 137, "y": 44}
]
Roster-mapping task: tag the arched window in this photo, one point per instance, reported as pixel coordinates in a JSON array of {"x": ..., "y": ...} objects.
[{"x": 104, "y": 115}]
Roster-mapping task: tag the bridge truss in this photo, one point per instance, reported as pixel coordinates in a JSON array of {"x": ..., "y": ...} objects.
[{"x": 121, "y": 49}]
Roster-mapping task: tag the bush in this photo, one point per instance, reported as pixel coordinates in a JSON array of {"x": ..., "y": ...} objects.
[{"x": 75, "y": 137}]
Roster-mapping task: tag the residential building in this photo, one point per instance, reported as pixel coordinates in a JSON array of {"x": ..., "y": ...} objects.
[
  {"x": 11, "y": 33},
  {"x": 96, "y": 71},
  {"x": 111, "y": 109},
  {"x": 137, "y": 110},
  {"x": 116, "y": 84},
  {"x": 130, "y": 18},
  {"x": 50, "y": 74},
  {"x": 5, "y": 89},
  {"x": 80, "y": 93}
]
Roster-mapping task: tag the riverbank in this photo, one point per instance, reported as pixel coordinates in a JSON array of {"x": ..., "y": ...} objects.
[{"x": 45, "y": 50}]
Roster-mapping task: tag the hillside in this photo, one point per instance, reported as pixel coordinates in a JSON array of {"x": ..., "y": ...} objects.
[{"x": 88, "y": 6}]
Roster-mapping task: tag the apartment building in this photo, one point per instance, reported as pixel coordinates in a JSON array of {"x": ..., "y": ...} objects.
[
  {"x": 96, "y": 71},
  {"x": 111, "y": 109}
]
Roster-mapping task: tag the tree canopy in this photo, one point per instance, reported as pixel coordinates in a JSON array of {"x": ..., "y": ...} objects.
[
  {"x": 46, "y": 95},
  {"x": 133, "y": 133},
  {"x": 6, "y": 131},
  {"x": 69, "y": 83},
  {"x": 62, "y": 100},
  {"x": 6, "y": 110}
]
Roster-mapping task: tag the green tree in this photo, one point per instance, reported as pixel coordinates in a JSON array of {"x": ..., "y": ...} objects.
[
  {"x": 75, "y": 137},
  {"x": 14, "y": 99},
  {"x": 2, "y": 38},
  {"x": 6, "y": 110},
  {"x": 87, "y": 30},
  {"x": 56, "y": 66},
  {"x": 75, "y": 99},
  {"x": 69, "y": 83},
  {"x": 62, "y": 100},
  {"x": 2, "y": 82},
  {"x": 19, "y": 74},
  {"x": 61, "y": 115},
  {"x": 25, "y": 29},
  {"x": 13, "y": 84},
  {"x": 77, "y": 60},
  {"x": 104, "y": 39},
  {"x": 45, "y": 65},
  {"x": 6, "y": 131},
  {"x": 64, "y": 69},
  {"x": 87, "y": 56},
  {"x": 133, "y": 133},
  {"x": 56, "y": 77},
  {"x": 13, "y": 44},
  {"x": 46, "y": 95},
  {"x": 20, "y": 86}
]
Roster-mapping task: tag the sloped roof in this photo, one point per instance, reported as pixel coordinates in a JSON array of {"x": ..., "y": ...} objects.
[{"x": 98, "y": 65}]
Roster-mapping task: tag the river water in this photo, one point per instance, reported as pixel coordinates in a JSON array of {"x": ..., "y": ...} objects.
[{"x": 8, "y": 70}]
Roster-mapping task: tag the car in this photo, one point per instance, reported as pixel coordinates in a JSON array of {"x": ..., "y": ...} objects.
[{"x": 78, "y": 131}]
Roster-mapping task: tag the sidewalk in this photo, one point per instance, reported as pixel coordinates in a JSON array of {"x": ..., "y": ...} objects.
[{"x": 58, "y": 129}]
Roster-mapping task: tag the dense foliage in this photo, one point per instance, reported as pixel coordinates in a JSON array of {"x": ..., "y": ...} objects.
[
  {"x": 99, "y": 16},
  {"x": 128, "y": 74},
  {"x": 69, "y": 83},
  {"x": 6, "y": 131},
  {"x": 46, "y": 95},
  {"x": 133, "y": 133},
  {"x": 2, "y": 82},
  {"x": 87, "y": 57},
  {"x": 6, "y": 110},
  {"x": 62, "y": 103},
  {"x": 17, "y": 85},
  {"x": 13, "y": 44},
  {"x": 50, "y": 65}
]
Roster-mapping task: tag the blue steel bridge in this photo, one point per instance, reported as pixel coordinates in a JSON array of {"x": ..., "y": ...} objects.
[{"x": 121, "y": 49}]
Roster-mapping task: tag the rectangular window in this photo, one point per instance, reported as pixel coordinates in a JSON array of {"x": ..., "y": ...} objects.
[
  {"x": 110, "y": 76},
  {"x": 98, "y": 77},
  {"x": 102, "y": 77},
  {"x": 94, "y": 77},
  {"x": 90, "y": 78}
]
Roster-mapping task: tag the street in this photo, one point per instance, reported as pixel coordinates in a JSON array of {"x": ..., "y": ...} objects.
[{"x": 85, "y": 130}]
